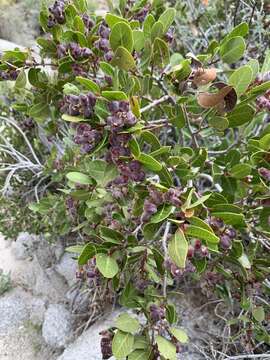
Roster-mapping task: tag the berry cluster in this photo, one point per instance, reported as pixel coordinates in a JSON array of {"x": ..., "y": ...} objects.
[
  {"x": 109, "y": 210},
  {"x": 157, "y": 313},
  {"x": 79, "y": 105},
  {"x": 9, "y": 74},
  {"x": 226, "y": 233},
  {"x": 265, "y": 173},
  {"x": 158, "y": 316},
  {"x": 87, "y": 137},
  {"x": 79, "y": 70},
  {"x": 117, "y": 153},
  {"x": 106, "y": 344},
  {"x": 90, "y": 272},
  {"x": 75, "y": 50},
  {"x": 88, "y": 22},
  {"x": 176, "y": 272},
  {"x": 141, "y": 14},
  {"x": 169, "y": 36},
  {"x": 103, "y": 43},
  {"x": 121, "y": 115},
  {"x": 197, "y": 249},
  {"x": 27, "y": 124},
  {"x": 57, "y": 11},
  {"x": 71, "y": 207},
  {"x": 263, "y": 102},
  {"x": 156, "y": 198}
]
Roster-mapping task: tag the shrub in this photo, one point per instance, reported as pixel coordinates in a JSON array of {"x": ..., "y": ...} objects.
[{"x": 158, "y": 162}]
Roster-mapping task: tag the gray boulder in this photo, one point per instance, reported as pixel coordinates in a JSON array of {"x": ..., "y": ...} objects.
[
  {"x": 28, "y": 246},
  {"x": 38, "y": 308},
  {"x": 24, "y": 245},
  {"x": 57, "y": 326},
  {"x": 67, "y": 268},
  {"x": 14, "y": 310},
  {"x": 87, "y": 346}
]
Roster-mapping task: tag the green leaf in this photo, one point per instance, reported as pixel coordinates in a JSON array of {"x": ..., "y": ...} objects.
[
  {"x": 266, "y": 63},
  {"x": 200, "y": 223},
  {"x": 260, "y": 89},
  {"x": 161, "y": 53},
  {"x": 74, "y": 119},
  {"x": 69, "y": 88},
  {"x": 110, "y": 235},
  {"x": 76, "y": 249},
  {"x": 88, "y": 251},
  {"x": 178, "y": 249},
  {"x": 122, "y": 344},
  {"x": 218, "y": 122},
  {"x": 21, "y": 80},
  {"x": 233, "y": 49},
  {"x": 148, "y": 24},
  {"x": 114, "y": 95},
  {"x": 240, "y": 171},
  {"x": 157, "y": 30},
  {"x": 139, "y": 355},
  {"x": 79, "y": 178},
  {"x": 107, "y": 265},
  {"x": 81, "y": 5},
  {"x": 123, "y": 59},
  {"x": 39, "y": 111},
  {"x": 107, "y": 68},
  {"x": 101, "y": 171},
  {"x": 241, "y": 115},
  {"x": 265, "y": 142},
  {"x": 241, "y": 78},
  {"x": 171, "y": 314},
  {"x": 203, "y": 234},
  {"x": 166, "y": 348},
  {"x": 139, "y": 40},
  {"x": 88, "y": 84},
  {"x": 149, "y": 162},
  {"x": 180, "y": 335},
  {"x": 244, "y": 261},
  {"x": 227, "y": 208},
  {"x": 167, "y": 18},
  {"x": 112, "y": 20},
  {"x": 121, "y": 35},
  {"x": 240, "y": 30},
  {"x": 134, "y": 147},
  {"x": 255, "y": 66},
  {"x": 258, "y": 313},
  {"x": 78, "y": 24},
  {"x": 127, "y": 323},
  {"x": 162, "y": 214},
  {"x": 231, "y": 218},
  {"x": 198, "y": 202}
]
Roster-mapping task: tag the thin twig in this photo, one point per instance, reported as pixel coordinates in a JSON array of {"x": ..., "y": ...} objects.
[
  {"x": 165, "y": 249},
  {"x": 249, "y": 356},
  {"x": 155, "y": 103}
]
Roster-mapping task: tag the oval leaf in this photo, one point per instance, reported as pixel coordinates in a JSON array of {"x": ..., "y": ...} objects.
[
  {"x": 178, "y": 249},
  {"x": 79, "y": 178},
  {"x": 127, "y": 323},
  {"x": 107, "y": 265},
  {"x": 121, "y": 35},
  {"x": 122, "y": 344}
]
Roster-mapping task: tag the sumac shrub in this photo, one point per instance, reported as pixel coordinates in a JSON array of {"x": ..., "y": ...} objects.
[{"x": 158, "y": 165}]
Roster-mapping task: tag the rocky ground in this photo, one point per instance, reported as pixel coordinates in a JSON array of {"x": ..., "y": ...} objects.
[{"x": 37, "y": 321}]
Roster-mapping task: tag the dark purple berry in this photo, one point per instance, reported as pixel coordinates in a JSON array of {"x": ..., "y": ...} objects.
[
  {"x": 157, "y": 312},
  {"x": 265, "y": 173},
  {"x": 225, "y": 242}
]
